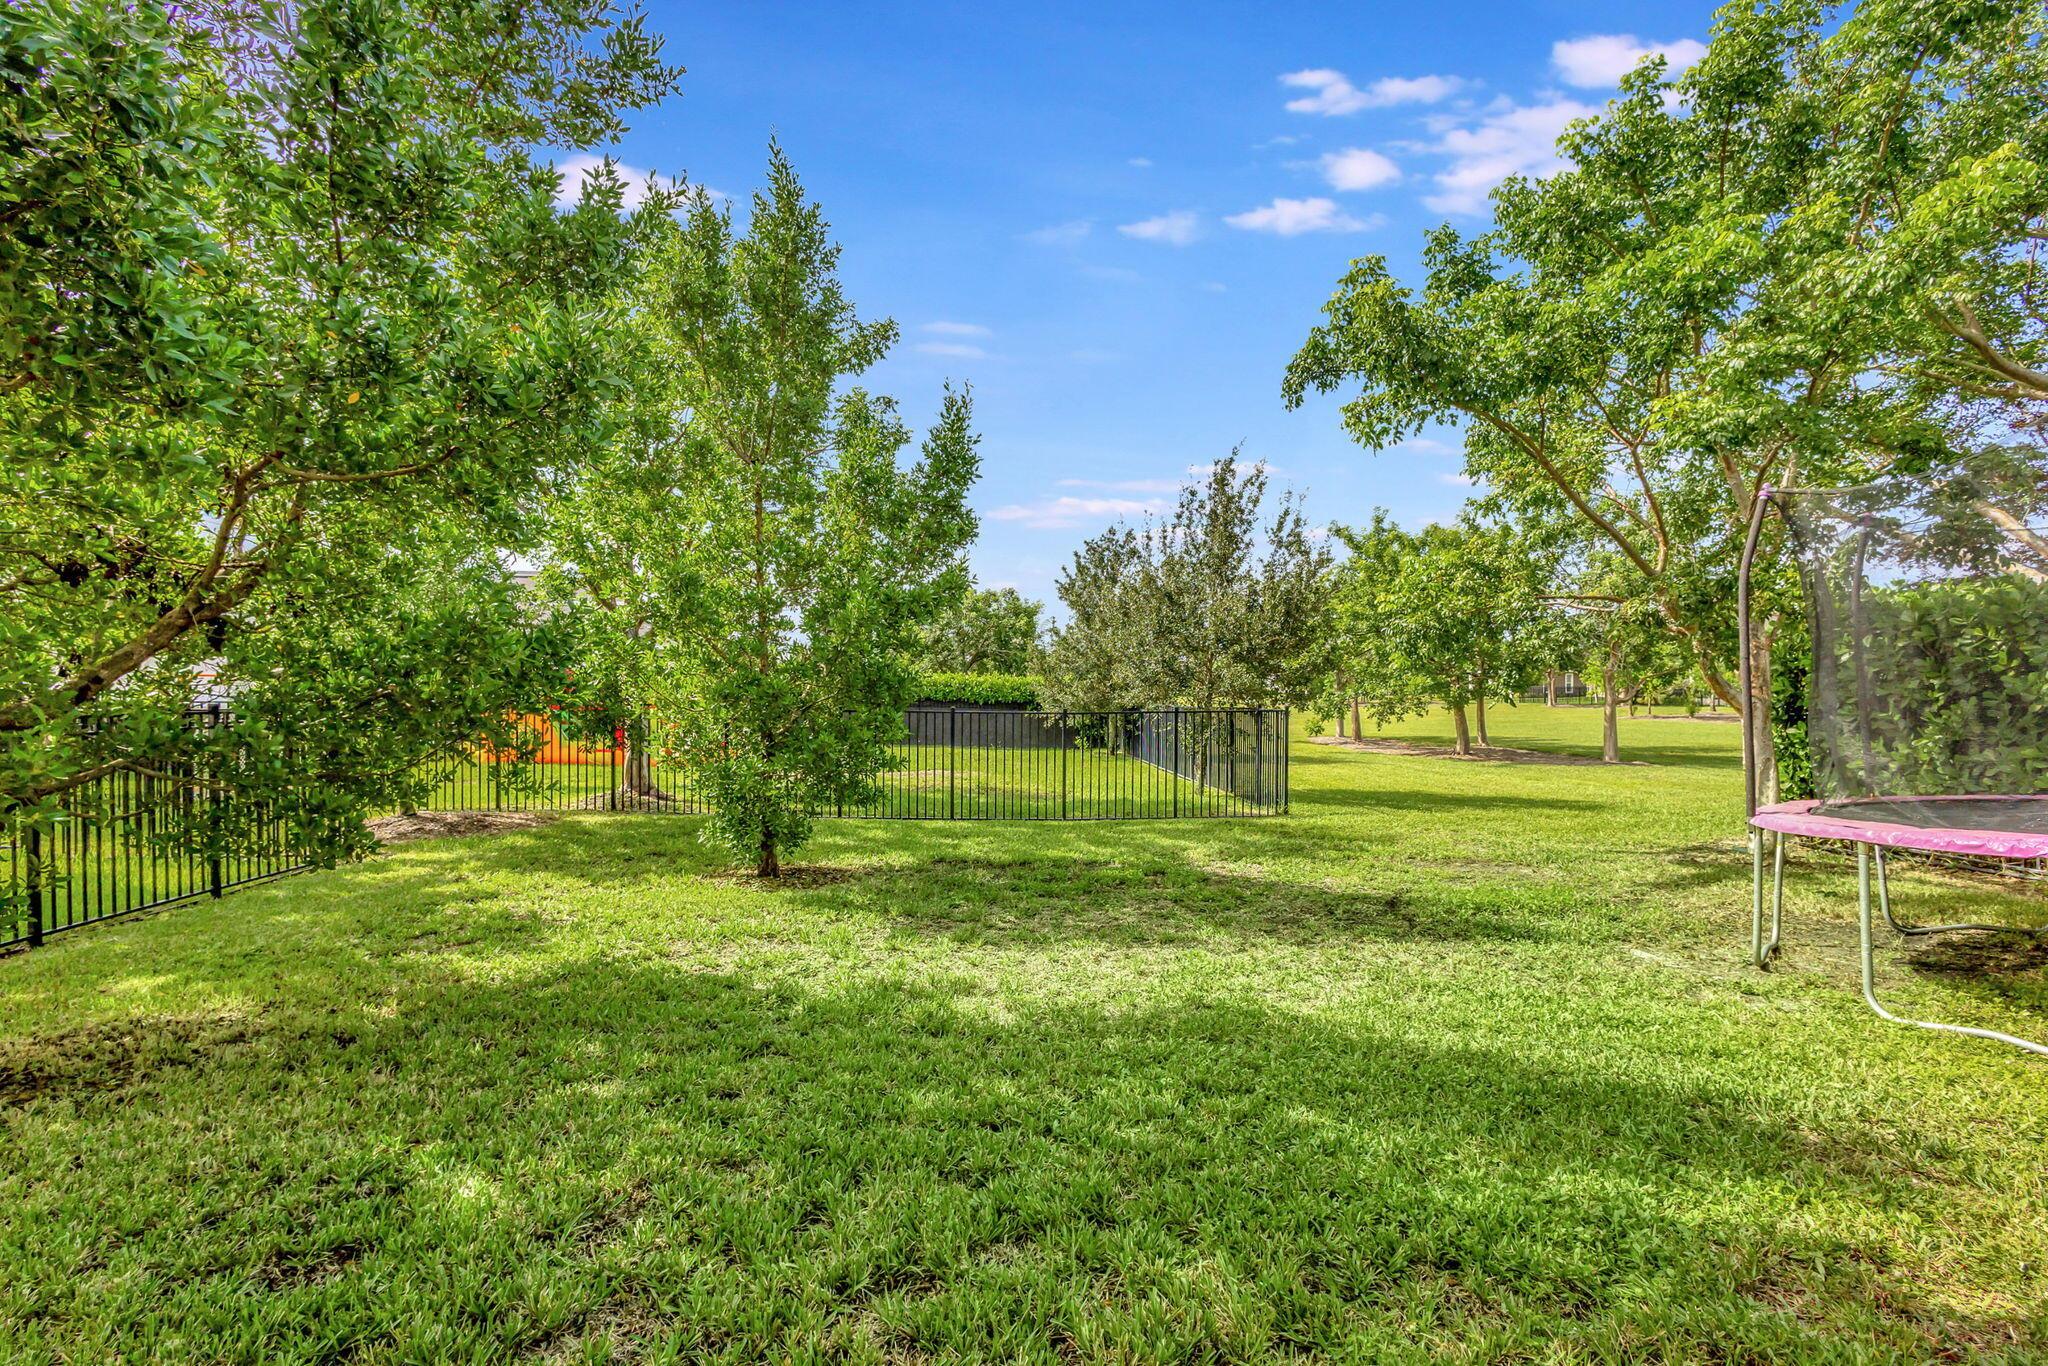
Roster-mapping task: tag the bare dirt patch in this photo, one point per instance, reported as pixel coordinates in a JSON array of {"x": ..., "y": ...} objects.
[
  {"x": 427, "y": 825},
  {"x": 1491, "y": 754},
  {"x": 114, "y": 1055},
  {"x": 283, "y": 1271}
]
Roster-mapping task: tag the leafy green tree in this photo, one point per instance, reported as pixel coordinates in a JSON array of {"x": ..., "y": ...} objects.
[
  {"x": 1208, "y": 608},
  {"x": 1369, "y": 672},
  {"x": 988, "y": 631},
  {"x": 292, "y": 336},
  {"x": 804, "y": 558},
  {"x": 1738, "y": 283},
  {"x": 1098, "y": 660},
  {"x": 617, "y": 525},
  {"x": 1620, "y": 640},
  {"x": 1451, "y": 616}
]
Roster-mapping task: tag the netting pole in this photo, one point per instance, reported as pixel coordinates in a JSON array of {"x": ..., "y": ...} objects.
[{"x": 1743, "y": 629}]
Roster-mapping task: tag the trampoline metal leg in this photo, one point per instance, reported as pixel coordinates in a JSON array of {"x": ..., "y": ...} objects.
[
  {"x": 1756, "y": 896},
  {"x": 1777, "y": 893},
  {"x": 1870, "y": 968},
  {"x": 1884, "y": 904}
]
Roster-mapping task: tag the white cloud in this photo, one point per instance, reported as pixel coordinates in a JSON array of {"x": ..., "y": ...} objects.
[
  {"x": 1065, "y": 234},
  {"x": 1461, "y": 481},
  {"x": 579, "y": 168},
  {"x": 1177, "y": 228},
  {"x": 1292, "y": 217},
  {"x": 1284, "y": 140},
  {"x": 1334, "y": 94},
  {"x": 1599, "y": 60},
  {"x": 951, "y": 329},
  {"x": 1509, "y": 140},
  {"x": 1065, "y": 510},
  {"x": 1140, "y": 162},
  {"x": 1358, "y": 168},
  {"x": 960, "y": 350},
  {"x": 1427, "y": 445},
  {"x": 1124, "y": 485}
]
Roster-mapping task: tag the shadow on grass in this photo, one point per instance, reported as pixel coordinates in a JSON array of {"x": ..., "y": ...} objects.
[
  {"x": 1658, "y": 755},
  {"x": 1465, "y": 806},
  {"x": 1128, "y": 883},
  {"x": 753, "y": 1164}
]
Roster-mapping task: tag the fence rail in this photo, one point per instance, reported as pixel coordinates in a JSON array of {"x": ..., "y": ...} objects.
[{"x": 131, "y": 842}]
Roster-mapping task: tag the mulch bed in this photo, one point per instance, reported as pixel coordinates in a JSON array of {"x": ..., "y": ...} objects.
[{"x": 427, "y": 825}]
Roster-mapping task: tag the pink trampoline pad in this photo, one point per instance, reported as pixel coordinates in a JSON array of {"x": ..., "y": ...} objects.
[{"x": 1943, "y": 825}]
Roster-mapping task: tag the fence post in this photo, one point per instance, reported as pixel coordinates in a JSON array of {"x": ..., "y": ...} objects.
[
  {"x": 952, "y": 775},
  {"x": 1259, "y": 758},
  {"x": 1176, "y": 762},
  {"x": 1280, "y": 740},
  {"x": 35, "y": 885},
  {"x": 1066, "y": 743},
  {"x": 213, "y": 811}
]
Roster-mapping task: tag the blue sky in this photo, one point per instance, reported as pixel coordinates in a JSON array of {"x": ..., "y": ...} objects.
[{"x": 1119, "y": 221}]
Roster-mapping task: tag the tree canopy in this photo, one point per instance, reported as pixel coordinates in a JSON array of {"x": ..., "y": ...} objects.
[
  {"x": 985, "y": 631},
  {"x": 1207, "y": 608},
  {"x": 1808, "y": 257},
  {"x": 292, "y": 337},
  {"x": 1452, "y": 616}
]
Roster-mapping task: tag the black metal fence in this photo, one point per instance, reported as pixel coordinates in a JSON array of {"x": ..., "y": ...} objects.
[
  {"x": 951, "y": 764},
  {"x": 132, "y": 842}
]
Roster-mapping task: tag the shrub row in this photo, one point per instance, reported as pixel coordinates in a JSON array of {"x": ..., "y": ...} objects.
[
  {"x": 980, "y": 689},
  {"x": 1958, "y": 678}
]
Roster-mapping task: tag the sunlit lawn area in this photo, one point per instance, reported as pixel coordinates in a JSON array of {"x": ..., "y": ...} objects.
[{"x": 1459, "y": 1061}]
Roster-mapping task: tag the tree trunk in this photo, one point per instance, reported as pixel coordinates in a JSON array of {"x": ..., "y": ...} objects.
[
  {"x": 768, "y": 865},
  {"x": 1550, "y": 688},
  {"x": 1610, "y": 732},
  {"x": 1357, "y": 727},
  {"x": 636, "y": 770},
  {"x": 1479, "y": 716},
  {"x": 1464, "y": 745}
]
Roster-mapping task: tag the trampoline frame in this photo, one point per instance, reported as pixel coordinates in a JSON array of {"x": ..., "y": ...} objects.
[{"x": 1864, "y": 835}]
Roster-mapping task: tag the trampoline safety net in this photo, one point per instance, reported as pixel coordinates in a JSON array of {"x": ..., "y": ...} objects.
[{"x": 1929, "y": 609}]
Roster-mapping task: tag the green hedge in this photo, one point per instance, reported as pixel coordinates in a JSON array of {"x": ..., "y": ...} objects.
[
  {"x": 979, "y": 689},
  {"x": 1960, "y": 676},
  {"x": 1791, "y": 680}
]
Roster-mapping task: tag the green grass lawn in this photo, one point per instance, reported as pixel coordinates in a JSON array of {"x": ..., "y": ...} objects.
[{"x": 1460, "y": 1061}]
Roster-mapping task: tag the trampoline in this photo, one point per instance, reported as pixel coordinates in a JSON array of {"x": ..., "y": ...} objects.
[{"x": 1928, "y": 606}]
